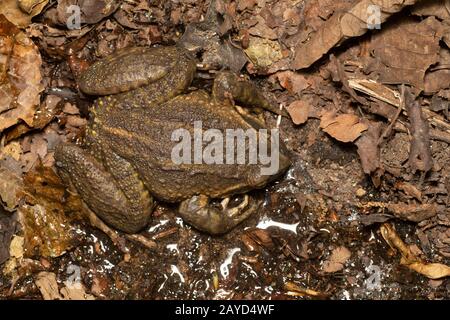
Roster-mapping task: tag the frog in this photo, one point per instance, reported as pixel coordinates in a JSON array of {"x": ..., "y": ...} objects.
[{"x": 124, "y": 165}]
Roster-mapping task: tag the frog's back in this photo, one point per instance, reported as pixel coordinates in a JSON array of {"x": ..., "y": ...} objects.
[{"x": 149, "y": 138}]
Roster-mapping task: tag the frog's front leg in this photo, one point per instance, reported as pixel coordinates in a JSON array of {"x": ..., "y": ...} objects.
[
  {"x": 117, "y": 196},
  {"x": 228, "y": 85},
  {"x": 200, "y": 213}
]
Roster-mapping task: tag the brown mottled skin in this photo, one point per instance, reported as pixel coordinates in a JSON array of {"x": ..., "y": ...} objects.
[{"x": 126, "y": 157}]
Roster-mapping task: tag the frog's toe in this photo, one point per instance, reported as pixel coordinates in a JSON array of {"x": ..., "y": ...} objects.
[{"x": 216, "y": 219}]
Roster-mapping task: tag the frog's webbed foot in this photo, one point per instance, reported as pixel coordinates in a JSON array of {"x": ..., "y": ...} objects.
[
  {"x": 228, "y": 85},
  {"x": 216, "y": 219},
  {"x": 120, "y": 200}
]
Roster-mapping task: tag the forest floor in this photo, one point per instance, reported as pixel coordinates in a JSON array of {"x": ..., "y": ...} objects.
[{"x": 363, "y": 212}]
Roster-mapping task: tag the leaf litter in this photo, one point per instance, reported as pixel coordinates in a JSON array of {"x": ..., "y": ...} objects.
[{"x": 368, "y": 128}]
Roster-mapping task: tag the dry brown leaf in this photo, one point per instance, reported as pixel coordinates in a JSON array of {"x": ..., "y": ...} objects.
[
  {"x": 7, "y": 230},
  {"x": 294, "y": 82},
  {"x": 245, "y": 4},
  {"x": 10, "y": 185},
  {"x": 295, "y": 290},
  {"x": 20, "y": 63},
  {"x": 438, "y": 77},
  {"x": 48, "y": 286},
  {"x": 342, "y": 26},
  {"x": 46, "y": 227},
  {"x": 299, "y": 111},
  {"x": 92, "y": 11},
  {"x": 344, "y": 127},
  {"x": 262, "y": 30},
  {"x": 337, "y": 260},
  {"x": 409, "y": 259},
  {"x": 436, "y": 8},
  {"x": 404, "y": 51},
  {"x": 32, "y": 7},
  {"x": 407, "y": 211},
  {"x": 47, "y": 230},
  {"x": 368, "y": 148},
  {"x": 409, "y": 189},
  {"x": 12, "y": 11},
  {"x": 420, "y": 157}
]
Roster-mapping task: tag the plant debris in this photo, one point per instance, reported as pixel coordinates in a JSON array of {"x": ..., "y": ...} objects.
[{"x": 366, "y": 87}]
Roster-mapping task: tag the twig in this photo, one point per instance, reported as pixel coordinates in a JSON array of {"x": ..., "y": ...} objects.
[{"x": 397, "y": 114}]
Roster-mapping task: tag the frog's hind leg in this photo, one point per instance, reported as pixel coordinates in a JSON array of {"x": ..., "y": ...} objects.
[
  {"x": 200, "y": 213},
  {"x": 228, "y": 86},
  {"x": 120, "y": 200}
]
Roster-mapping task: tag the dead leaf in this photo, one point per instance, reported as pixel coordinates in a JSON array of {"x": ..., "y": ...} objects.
[
  {"x": 344, "y": 127},
  {"x": 7, "y": 230},
  {"x": 245, "y": 4},
  {"x": 436, "y": 8},
  {"x": 404, "y": 51},
  {"x": 48, "y": 286},
  {"x": 262, "y": 30},
  {"x": 92, "y": 11},
  {"x": 342, "y": 26},
  {"x": 438, "y": 76},
  {"x": 368, "y": 148},
  {"x": 261, "y": 237},
  {"x": 46, "y": 282},
  {"x": 295, "y": 290},
  {"x": 20, "y": 88},
  {"x": 10, "y": 185},
  {"x": 299, "y": 111},
  {"x": 409, "y": 259},
  {"x": 409, "y": 189},
  {"x": 32, "y": 7},
  {"x": 337, "y": 260},
  {"x": 11, "y": 10},
  {"x": 407, "y": 211},
  {"x": 294, "y": 82},
  {"x": 420, "y": 151}
]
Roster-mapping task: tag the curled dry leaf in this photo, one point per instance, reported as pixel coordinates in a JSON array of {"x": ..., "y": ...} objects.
[
  {"x": 299, "y": 111},
  {"x": 38, "y": 198},
  {"x": 10, "y": 185},
  {"x": 295, "y": 290},
  {"x": 420, "y": 151},
  {"x": 91, "y": 11},
  {"x": 32, "y": 7},
  {"x": 344, "y": 127},
  {"x": 437, "y": 9},
  {"x": 337, "y": 260},
  {"x": 261, "y": 237},
  {"x": 48, "y": 286},
  {"x": 409, "y": 189},
  {"x": 13, "y": 11},
  {"x": 342, "y": 26},
  {"x": 409, "y": 259},
  {"x": 368, "y": 148},
  {"x": 404, "y": 51},
  {"x": 7, "y": 230},
  {"x": 405, "y": 211},
  {"x": 20, "y": 75},
  {"x": 46, "y": 227},
  {"x": 294, "y": 82}
]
